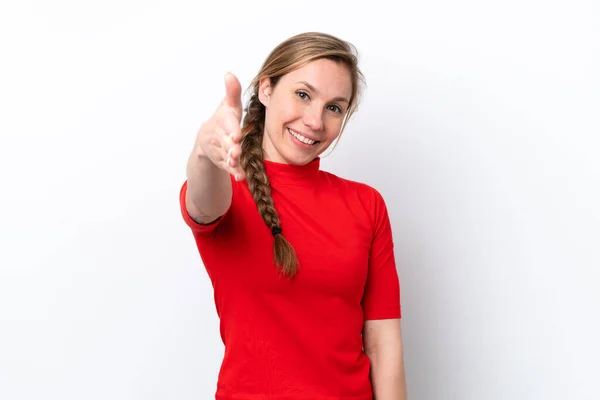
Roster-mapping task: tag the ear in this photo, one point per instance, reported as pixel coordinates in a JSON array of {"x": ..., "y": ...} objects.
[{"x": 264, "y": 91}]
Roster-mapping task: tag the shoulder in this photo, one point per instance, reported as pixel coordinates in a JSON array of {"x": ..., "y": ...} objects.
[
  {"x": 366, "y": 195},
  {"x": 349, "y": 184}
]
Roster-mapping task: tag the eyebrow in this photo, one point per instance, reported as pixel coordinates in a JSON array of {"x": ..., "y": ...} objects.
[{"x": 314, "y": 89}]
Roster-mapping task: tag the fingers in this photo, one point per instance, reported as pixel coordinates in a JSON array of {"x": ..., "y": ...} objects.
[
  {"x": 232, "y": 152},
  {"x": 231, "y": 127},
  {"x": 233, "y": 94},
  {"x": 235, "y": 169}
]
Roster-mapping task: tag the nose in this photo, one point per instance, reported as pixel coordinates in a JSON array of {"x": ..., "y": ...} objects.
[{"x": 313, "y": 118}]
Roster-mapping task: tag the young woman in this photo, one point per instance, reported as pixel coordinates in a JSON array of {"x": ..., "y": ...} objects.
[{"x": 301, "y": 261}]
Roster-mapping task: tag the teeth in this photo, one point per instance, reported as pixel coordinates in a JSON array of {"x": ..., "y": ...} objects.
[{"x": 301, "y": 138}]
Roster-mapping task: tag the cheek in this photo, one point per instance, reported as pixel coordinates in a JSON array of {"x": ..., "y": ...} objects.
[
  {"x": 333, "y": 127},
  {"x": 291, "y": 111},
  {"x": 281, "y": 114}
]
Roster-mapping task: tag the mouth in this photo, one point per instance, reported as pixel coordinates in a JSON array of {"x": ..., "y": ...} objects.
[{"x": 302, "y": 139}]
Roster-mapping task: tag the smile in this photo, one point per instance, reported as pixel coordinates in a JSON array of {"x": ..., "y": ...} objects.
[{"x": 301, "y": 138}]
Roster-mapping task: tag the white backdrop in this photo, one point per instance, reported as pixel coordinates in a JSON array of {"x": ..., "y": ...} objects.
[{"x": 479, "y": 126}]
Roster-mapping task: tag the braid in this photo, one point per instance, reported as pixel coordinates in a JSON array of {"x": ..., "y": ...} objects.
[{"x": 252, "y": 161}]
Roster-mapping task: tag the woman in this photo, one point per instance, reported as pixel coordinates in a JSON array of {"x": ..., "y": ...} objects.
[{"x": 301, "y": 261}]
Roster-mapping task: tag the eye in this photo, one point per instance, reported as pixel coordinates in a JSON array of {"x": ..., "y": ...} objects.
[
  {"x": 336, "y": 109},
  {"x": 302, "y": 95}
]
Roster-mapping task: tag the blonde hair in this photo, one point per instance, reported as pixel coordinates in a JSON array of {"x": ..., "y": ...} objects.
[{"x": 291, "y": 54}]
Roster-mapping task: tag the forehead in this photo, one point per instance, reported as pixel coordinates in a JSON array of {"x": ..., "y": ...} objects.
[{"x": 330, "y": 78}]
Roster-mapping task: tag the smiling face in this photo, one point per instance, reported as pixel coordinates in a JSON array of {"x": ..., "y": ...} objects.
[{"x": 304, "y": 111}]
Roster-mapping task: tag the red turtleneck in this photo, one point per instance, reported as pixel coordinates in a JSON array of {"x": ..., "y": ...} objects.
[{"x": 300, "y": 338}]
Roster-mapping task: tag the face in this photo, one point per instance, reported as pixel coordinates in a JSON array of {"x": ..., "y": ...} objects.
[{"x": 304, "y": 111}]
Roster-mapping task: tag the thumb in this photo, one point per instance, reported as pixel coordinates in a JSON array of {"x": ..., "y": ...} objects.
[{"x": 233, "y": 94}]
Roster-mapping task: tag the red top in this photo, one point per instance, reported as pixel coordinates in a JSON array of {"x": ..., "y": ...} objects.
[{"x": 299, "y": 339}]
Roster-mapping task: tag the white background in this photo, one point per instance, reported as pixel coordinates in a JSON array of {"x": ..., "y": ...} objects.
[{"x": 479, "y": 126}]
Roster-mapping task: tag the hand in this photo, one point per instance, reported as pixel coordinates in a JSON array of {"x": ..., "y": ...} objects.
[{"x": 219, "y": 137}]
